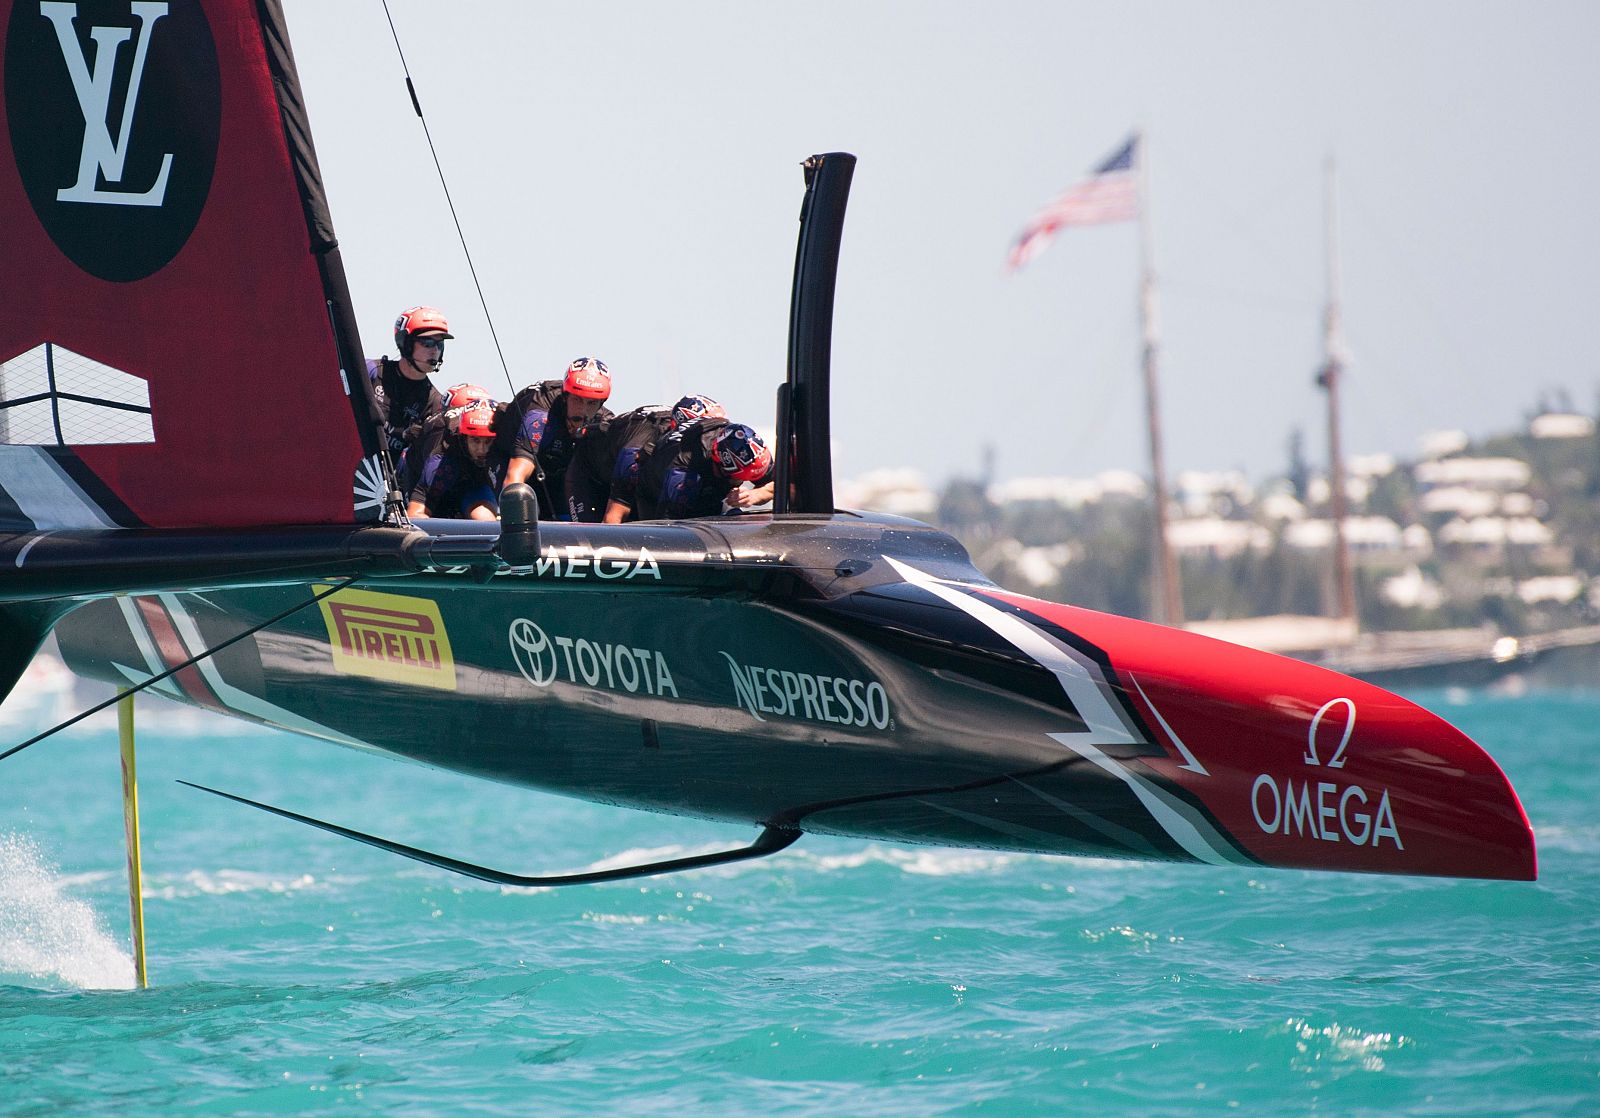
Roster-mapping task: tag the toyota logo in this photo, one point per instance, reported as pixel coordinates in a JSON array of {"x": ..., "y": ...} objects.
[{"x": 533, "y": 651}]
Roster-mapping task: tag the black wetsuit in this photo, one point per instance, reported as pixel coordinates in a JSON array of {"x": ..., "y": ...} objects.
[
  {"x": 677, "y": 479},
  {"x": 406, "y": 406},
  {"x": 608, "y": 460},
  {"x": 534, "y": 429},
  {"x": 450, "y": 482}
]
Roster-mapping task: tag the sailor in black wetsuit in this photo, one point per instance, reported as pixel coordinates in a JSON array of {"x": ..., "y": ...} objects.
[
  {"x": 699, "y": 470},
  {"x": 462, "y": 479},
  {"x": 435, "y": 429},
  {"x": 406, "y": 398},
  {"x": 541, "y": 426},
  {"x": 603, "y": 480}
]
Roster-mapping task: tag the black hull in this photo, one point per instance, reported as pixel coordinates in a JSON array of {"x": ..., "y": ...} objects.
[{"x": 843, "y": 675}]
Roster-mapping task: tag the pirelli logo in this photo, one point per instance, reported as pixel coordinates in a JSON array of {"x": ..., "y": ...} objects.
[{"x": 389, "y": 636}]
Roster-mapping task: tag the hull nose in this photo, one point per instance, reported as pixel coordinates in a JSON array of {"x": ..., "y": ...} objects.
[{"x": 1303, "y": 767}]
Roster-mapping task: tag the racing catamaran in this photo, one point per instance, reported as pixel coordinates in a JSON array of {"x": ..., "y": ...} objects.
[{"x": 807, "y": 670}]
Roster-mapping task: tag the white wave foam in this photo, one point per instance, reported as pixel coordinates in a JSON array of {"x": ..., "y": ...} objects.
[
  {"x": 919, "y": 861},
  {"x": 923, "y": 861},
  {"x": 197, "y": 883},
  {"x": 1572, "y": 840},
  {"x": 47, "y": 935},
  {"x": 1338, "y": 1044},
  {"x": 618, "y": 918}
]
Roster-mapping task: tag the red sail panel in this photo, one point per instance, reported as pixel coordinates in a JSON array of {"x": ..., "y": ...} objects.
[{"x": 165, "y": 317}]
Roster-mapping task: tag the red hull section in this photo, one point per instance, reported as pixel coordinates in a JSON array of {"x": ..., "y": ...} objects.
[{"x": 1306, "y": 768}]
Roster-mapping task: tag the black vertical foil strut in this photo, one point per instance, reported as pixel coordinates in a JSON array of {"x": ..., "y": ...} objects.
[{"x": 804, "y": 451}]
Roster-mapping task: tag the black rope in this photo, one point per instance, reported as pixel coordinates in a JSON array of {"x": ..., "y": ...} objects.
[
  {"x": 189, "y": 663},
  {"x": 417, "y": 105}
]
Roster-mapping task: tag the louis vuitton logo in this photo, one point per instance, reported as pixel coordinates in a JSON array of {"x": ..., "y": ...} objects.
[{"x": 92, "y": 82}]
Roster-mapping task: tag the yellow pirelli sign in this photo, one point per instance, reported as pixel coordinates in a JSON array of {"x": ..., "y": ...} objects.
[{"x": 390, "y": 637}]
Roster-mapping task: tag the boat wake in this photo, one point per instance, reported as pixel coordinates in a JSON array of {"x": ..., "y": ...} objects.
[{"x": 47, "y": 935}]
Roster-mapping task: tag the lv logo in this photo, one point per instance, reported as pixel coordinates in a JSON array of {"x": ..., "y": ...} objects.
[{"x": 101, "y": 156}]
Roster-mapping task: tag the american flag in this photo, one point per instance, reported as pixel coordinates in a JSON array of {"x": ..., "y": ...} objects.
[{"x": 1110, "y": 193}]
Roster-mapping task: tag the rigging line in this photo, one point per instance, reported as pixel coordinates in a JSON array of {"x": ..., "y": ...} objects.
[
  {"x": 417, "y": 105},
  {"x": 189, "y": 663}
]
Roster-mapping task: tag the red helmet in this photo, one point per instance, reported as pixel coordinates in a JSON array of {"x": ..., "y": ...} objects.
[
  {"x": 477, "y": 421},
  {"x": 588, "y": 377},
  {"x": 458, "y": 398},
  {"x": 738, "y": 453},
  {"x": 465, "y": 395},
  {"x": 418, "y": 320},
  {"x": 690, "y": 408}
]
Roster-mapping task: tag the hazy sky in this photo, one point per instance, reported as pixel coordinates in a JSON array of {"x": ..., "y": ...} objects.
[{"x": 628, "y": 179}]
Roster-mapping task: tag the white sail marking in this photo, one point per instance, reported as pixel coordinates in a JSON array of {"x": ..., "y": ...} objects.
[
  {"x": 78, "y": 401},
  {"x": 1183, "y": 832},
  {"x": 1078, "y": 679},
  {"x": 165, "y": 687},
  {"x": 27, "y": 547},
  {"x": 242, "y": 701},
  {"x": 147, "y": 649},
  {"x": 1189, "y": 759},
  {"x": 44, "y": 492},
  {"x": 1082, "y": 690}
]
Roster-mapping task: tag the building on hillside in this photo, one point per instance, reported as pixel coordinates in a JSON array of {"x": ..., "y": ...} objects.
[
  {"x": 1216, "y": 538},
  {"x": 1497, "y": 474},
  {"x": 1070, "y": 492},
  {"x": 1442, "y": 444},
  {"x": 1202, "y": 493},
  {"x": 898, "y": 492},
  {"x": 1369, "y": 538},
  {"x": 1560, "y": 425},
  {"x": 1495, "y": 539}
]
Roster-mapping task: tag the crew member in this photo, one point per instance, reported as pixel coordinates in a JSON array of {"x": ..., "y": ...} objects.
[
  {"x": 462, "y": 479},
  {"x": 540, "y": 428},
  {"x": 436, "y": 428},
  {"x": 701, "y": 469},
  {"x": 405, "y": 397},
  {"x": 603, "y": 480}
]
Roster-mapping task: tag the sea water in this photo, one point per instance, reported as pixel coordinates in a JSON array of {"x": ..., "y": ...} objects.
[{"x": 296, "y": 972}]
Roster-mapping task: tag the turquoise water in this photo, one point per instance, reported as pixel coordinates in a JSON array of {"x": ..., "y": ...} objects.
[{"x": 294, "y": 972}]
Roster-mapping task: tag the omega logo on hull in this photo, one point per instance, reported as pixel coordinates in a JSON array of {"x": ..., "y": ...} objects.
[
  {"x": 115, "y": 112},
  {"x": 1334, "y": 812},
  {"x": 602, "y": 562}
]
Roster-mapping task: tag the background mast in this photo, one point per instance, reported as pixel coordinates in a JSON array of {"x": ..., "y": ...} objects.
[
  {"x": 1166, "y": 599},
  {"x": 1332, "y": 372}
]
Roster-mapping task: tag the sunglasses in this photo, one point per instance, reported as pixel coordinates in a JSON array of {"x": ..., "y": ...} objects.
[{"x": 430, "y": 343}]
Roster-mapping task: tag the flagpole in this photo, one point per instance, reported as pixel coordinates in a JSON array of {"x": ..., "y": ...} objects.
[
  {"x": 1328, "y": 377},
  {"x": 1166, "y": 598}
]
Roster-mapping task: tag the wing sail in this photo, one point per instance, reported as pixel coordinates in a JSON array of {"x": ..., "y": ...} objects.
[{"x": 178, "y": 348}]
